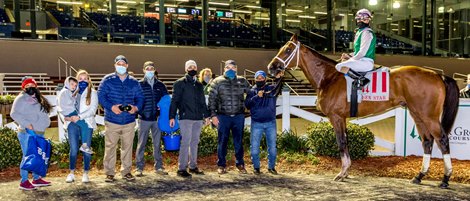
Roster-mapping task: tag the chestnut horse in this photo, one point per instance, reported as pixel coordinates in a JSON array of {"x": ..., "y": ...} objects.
[{"x": 432, "y": 101}]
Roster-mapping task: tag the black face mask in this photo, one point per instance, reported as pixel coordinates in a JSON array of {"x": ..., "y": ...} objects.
[
  {"x": 192, "y": 72},
  {"x": 260, "y": 84},
  {"x": 362, "y": 25},
  {"x": 30, "y": 91}
]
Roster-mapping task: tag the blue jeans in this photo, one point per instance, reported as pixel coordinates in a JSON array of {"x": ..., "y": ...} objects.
[
  {"x": 257, "y": 130},
  {"x": 74, "y": 134},
  {"x": 83, "y": 128},
  {"x": 23, "y": 138},
  {"x": 235, "y": 124}
]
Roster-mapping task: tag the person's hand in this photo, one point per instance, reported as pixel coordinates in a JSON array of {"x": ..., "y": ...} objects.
[
  {"x": 67, "y": 119},
  {"x": 345, "y": 56},
  {"x": 260, "y": 93},
  {"x": 116, "y": 109},
  {"x": 280, "y": 74},
  {"x": 30, "y": 127},
  {"x": 134, "y": 109},
  {"x": 215, "y": 121},
  {"x": 207, "y": 122},
  {"x": 172, "y": 123},
  {"x": 75, "y": 118}
]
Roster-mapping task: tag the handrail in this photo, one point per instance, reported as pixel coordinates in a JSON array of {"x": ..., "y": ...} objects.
[
  {"x": 435, "y": 69},
  {"x": 288, "y": 72},
  {"x": 70, "y": 70},
  {"x": 297, "y": 94},
  {"x": 66, "y": 64},
  {"x": 461, "y": 75}
]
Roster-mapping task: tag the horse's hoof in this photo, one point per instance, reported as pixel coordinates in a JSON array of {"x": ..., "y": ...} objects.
[
  {"x": 339, "y": 178},
  {"x": 444, "y": 185},
  {"x": 416, "y": 181}
]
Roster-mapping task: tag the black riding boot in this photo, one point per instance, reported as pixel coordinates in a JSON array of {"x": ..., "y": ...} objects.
[{"x": 363, "y": 81}]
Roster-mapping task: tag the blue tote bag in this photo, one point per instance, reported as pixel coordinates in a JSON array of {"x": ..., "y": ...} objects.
[{"x": 37, "y": 155}]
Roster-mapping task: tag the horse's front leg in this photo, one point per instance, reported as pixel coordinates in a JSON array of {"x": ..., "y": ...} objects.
[{"x": 339, "y": 125}]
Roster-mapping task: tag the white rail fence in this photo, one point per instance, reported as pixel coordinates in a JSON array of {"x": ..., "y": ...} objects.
[{"x": 406, "y": 137}]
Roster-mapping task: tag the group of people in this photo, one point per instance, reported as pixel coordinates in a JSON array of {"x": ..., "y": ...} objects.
[{"x": 124, "y": 98}]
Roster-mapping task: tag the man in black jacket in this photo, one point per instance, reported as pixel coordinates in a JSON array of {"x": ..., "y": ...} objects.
[
  {"x": 188, "y": 98},
  {"x": 226, "y": 104},
  {"x": 153, "y": 90}
]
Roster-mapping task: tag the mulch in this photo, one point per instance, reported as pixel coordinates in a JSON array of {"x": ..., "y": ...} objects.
[{"x": 387, "y": 166}]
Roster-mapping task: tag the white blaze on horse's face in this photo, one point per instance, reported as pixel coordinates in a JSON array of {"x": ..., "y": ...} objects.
[{"x": 291, "y": 50}]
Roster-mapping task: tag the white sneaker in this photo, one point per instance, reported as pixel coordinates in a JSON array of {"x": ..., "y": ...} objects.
[
  {"x": 70, "y": 178},
  {"x": 86, "y": 149},
  {"x": 85, "y": 178}
]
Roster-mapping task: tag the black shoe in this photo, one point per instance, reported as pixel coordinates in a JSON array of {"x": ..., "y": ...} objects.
[
  {"x": 183, "y": 173},
  {"x": 241, "y": 169},
  {"x": 129, "y": 177},
  {"x": 256, "y": 171},
  {"x": 109, "y": 178},
  {"x": 196, "y": 171},
  {"x": 272, "y": 171}
]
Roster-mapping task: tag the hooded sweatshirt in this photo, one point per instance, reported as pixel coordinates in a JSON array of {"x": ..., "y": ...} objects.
[
  {"x": 27, "y": 111},
  {"x": 66, "y": 99}
]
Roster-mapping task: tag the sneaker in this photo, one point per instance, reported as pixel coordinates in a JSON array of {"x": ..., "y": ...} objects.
[
  {"x": 256, "y": 171},
  {"x": 85, "y": 178},
  {"x": 70, "y": 178},
  {"x": 272, "y": 171},
  {"x": 86, "y": 149},
  {"x": 161, "y": 171},
  {"x": 129, "y": 177},
  {"x": 139, "y": 173},
  {"x": 183, "y": 173},
  {"x": 27, "y": 186},
  {"x": 241, "y": 169},
  {"x": 196, "y": 171},
  {"x": 40, "y": 182},
  {"x": 221, "y": 170},
  {"x": 109, "y": 178}
]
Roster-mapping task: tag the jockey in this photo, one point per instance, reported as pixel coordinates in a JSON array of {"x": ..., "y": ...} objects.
[{"x": 362, "y": 59}]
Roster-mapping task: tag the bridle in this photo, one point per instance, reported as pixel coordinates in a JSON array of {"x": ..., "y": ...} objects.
[{"x": 295, "y": 53}]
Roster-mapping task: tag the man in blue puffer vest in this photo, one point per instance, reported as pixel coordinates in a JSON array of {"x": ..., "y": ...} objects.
[
  {"x": 121, "y": 97},
  {"x": 153, "y": 90}
]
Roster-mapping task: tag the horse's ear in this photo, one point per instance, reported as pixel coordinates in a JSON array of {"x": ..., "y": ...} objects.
[{"x": 294, "y": 38}]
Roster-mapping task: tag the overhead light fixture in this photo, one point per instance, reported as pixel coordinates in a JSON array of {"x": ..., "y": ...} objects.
[
  {"x": 219, "y": 3},
  {"x": 321, "y": 13},
  {"x": 440, "y": 9},
  {"x": 102, "y": 9},
  {"x": 182, "y": 0},
  {"x": 121, "y": 6},
  {"x": 372, "y": 2},
  {"x": 69, "y": 2},
  {"x": 126, "y": 1},
  {"x": 307, "y": 17},
  {"x": 293, "y": 10},
  {"x": 450, "y": 10},
  {"x": 241, "y": 11},
  {"x": 342, "y": 15},
  {"x": 250, "y": 6},
  {"x": 296, "y": 21},
  {"x": 396, "y": 4},
  {"x": 261, "y": 18}
]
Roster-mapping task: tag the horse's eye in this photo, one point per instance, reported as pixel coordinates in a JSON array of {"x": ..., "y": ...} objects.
[{"x": 288, "y": 50}]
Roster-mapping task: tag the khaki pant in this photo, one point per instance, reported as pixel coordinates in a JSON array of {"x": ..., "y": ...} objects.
[{"x": 114, "y": 132}]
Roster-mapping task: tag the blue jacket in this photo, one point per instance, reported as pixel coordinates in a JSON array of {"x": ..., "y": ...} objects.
[
  {"x": 113, "y": 91},
  {"x": 164, "y": 119},
  {"x": 262, "y": 109},
  {"x": 152, "y": 96}
]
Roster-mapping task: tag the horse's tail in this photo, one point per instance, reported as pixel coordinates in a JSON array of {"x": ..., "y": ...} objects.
[{"x": 451, "y": 104}]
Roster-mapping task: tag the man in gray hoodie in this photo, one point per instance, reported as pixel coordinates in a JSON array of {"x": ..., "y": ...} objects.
[{"x": 68, "y": 107}]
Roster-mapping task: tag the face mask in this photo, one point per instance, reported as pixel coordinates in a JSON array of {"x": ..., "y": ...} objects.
[
  {"x": 121, "y": 70},
  {"x": 192, "y": 72},
  {"x": 207, "y": 79},
  {"x": 362, "y": 25},
  {"x": 149, "y": 74},
  {"x": 30, "y": 91},
  {"x": 468, "y": 85},
  {"x": 82, "y": 85},
  {"x": 231, "y": 74},
  {"x": 260, "y": 84}
]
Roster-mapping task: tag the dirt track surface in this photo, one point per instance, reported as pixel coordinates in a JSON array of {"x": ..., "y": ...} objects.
[{"x": 233, "y": 186}]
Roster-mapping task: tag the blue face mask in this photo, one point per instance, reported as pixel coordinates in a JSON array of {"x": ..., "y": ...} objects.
[
  {"x": 468, "y": 85},
  {"x": 121, "y": 70},
  {"x": 231, "y": 74},
  {"x": 149, "y": 74},
  {"x": 82, "y": 85}
]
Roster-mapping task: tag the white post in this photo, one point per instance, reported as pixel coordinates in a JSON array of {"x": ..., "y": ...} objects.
[
  {"x": 285, "y": 109},
  {"x": 1, "y": 122},
  {"x": 400, "y": 132}
]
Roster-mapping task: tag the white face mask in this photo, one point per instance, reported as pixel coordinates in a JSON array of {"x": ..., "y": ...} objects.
[{"x": 121, "y": 70}]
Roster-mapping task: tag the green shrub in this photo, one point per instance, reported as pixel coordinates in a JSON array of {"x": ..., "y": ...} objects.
[
  {"x": 322, "y": 140},
  {"x": 10, "y": 149},
  {"x": 208, "y": 141},
  {"x": 289, "y": 141},
  {"x": 7, "y": 99},
  {"x": 299, "y": 158}
]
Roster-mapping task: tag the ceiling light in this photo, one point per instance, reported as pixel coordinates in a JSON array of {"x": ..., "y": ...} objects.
[
  {"x": 68, "y": 2},
  {"x": 241, "y": 11},
  {"x": 293, "y": 10},
  {"x": 250, "y": 6},
  {"x": 102, "y": 9},
  {"x": 372, "y": 2},
  {"x": 220, "y": 4},
  {"x": 307, "y": 17},
  {"x": 396, "y": 4},
  {"x": 261, "y": 18},
  {"x": 121, "y": 6},
  {"x": 321, "y": 13},
  {"x": 440, "y": 9},
  {"x": 126, "y": 1},
  {"x": 296, "y": 21}
]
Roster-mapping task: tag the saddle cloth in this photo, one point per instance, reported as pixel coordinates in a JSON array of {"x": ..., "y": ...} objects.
[{"x": 378, "y": 88}]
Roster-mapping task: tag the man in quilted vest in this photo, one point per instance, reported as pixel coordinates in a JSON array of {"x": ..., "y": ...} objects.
[
  {"x": 121, "y": 97},
  {"x": 362, "y": 59}
]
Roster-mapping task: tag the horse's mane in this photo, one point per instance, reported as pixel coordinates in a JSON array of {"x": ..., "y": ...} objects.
[{"x": 321, "y": 56}]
